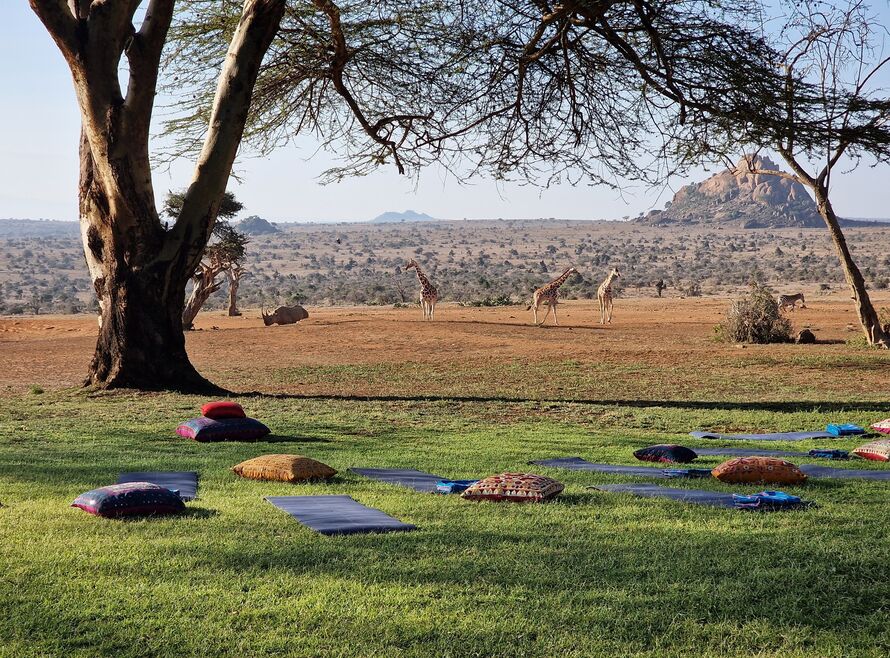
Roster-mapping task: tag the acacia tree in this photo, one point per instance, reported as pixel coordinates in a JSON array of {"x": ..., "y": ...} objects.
[
  {"x": 139, "y": 271},
  {"x": 833, "y": 47},
  {"x": 221, "y": 256}
]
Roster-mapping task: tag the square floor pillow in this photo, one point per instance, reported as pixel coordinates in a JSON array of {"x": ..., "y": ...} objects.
[
  {"x": 130, "y": 499},
  {"x": 883, "y": 427},
  {"x": 759, "y": 469},
  {"x": 284, "y": 468},
  {"x": 224, "y": 409},
  {"x": 514, "y": 487},
  {"x": 666, "y": 452},
  {"x": 225, "y": 429},
  {"x": 878, "y": 451}
]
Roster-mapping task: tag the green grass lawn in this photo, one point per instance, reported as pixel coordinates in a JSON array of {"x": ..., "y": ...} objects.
[{"x": 591, "y": 574}]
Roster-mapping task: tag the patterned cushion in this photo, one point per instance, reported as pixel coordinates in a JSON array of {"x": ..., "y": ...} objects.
[
  {"x": 515, "y": 487},
  {"x": 759, "y": 469},
  {"x": 878, "y": 451},
  {"x": 223, "y": 409},
  {"x": 883, "y": 427},
  {"x": 283, "y": 468},
  {"x": 226, "y": 429},
  {"x": 130, "y": 499},
  {"x": 667, "y": 452}
]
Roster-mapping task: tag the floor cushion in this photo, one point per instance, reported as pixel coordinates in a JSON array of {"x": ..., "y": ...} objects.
[
  {"x": 878, "y": 451},
  {"x": 225, "y": 429},
  {"x": 759, "y": 469},
  {"x": 453, "y": 486},
  {"x": 224, "y": 409},
  {"x": 883, "y": 427},
  {"x": 514, "y": 487},
  {"x": 130, "y": 499},
  {"x": 284, "y": 468},
  {"x": 666, "y": 452}
]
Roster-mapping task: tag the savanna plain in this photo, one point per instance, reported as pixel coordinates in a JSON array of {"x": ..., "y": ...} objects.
[{"x": 476, "y": 392}]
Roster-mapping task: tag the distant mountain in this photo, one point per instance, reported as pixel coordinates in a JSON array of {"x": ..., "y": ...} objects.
[
  {"x": 736, "y": 197},
  {"x": 255, "y": 225},
  {"x": 407, "y": 216},
  {"x": 38, "y": 228}
]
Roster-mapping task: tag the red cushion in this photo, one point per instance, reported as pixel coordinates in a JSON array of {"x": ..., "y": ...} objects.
[{"x": 217, "y": 410}]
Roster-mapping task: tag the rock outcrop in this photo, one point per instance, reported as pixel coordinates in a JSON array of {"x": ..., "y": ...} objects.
[{"x": 739, "y": 198}]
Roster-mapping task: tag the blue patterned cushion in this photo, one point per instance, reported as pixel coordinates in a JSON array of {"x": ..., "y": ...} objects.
[{"x": 223, "y": 429}]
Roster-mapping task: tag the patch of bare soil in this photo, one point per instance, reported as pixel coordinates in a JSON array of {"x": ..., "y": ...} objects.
[{"x": 662, "y": 341}]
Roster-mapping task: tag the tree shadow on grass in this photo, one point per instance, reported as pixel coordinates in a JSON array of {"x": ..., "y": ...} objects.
[{"x": 806, "y": 406}]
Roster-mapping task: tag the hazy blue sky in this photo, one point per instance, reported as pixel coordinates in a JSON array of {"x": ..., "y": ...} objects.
[{"x": 38, "y": 163}]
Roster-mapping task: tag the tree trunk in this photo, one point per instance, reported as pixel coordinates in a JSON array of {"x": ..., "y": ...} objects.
[
  {"x": 234, "y": 281},
  {"x": 868, "y": 317},
  {"x": 205, "y": 285}
]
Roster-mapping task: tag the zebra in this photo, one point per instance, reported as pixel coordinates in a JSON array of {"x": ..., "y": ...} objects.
[{"x": 789, "y": 302}]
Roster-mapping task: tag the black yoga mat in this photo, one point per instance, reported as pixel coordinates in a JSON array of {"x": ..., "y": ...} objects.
[
  {"x": 695, "y": 496},
  {"x": 579, "y": 464},
  {"x": 749, "y": 452},
  {"x": 779, "y": 436},
  {"x": 185, "y": 482},
  {"x": 816, "y": 471},
  {"x": 337, "y": 515},
  {"x": 417, "y": 480}
]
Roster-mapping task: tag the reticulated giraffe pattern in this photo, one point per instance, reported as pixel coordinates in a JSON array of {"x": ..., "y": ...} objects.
[
  {"x": 549, "y": 295},
  {"x": 604, "y": 295},
  {"x": 428, "y": 294}
]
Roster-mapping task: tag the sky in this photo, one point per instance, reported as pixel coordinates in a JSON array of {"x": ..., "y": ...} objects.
[{"x": 39, "y": 165}]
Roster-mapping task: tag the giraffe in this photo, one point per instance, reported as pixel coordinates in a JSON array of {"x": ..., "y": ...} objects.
[
  {"x": 604, "y": 294},
  {"x": 549, "y": 295},
  {"x": 428, "y": 294}
]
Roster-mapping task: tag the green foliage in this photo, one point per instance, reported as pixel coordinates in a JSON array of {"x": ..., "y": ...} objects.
[
  {"x": 497, "y": 300},
  {"x": 229, "y": 206},
  {"x": 756, "y": 318}
]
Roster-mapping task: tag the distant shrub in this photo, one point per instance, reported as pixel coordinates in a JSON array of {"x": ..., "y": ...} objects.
[
  {"x": 497, "y": 300},
  {"x": 35, "y": 389},
  {"x": 756, "y": 318}
]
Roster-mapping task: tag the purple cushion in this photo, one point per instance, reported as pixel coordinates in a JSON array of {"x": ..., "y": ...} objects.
[
  {"x": 130, "y": 499},
  {"x": 667, "y": 452},
  {"x": 223, "y": 429}
]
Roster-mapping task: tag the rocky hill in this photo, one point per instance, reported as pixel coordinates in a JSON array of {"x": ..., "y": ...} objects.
[{"x": 738, "y": 198}]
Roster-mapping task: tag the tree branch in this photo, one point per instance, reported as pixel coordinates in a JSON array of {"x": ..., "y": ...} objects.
[
  {"x": 144, "y": 55},
  {"x": 58, "y": 20},
  {"x": 259, "y": 22}
]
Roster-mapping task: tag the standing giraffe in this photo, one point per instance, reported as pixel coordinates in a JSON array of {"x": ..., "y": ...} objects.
[
  {"x": 428, "y": 294},
  {"x": 549, "y": 295},
  {"x": 604, "y": 294}
]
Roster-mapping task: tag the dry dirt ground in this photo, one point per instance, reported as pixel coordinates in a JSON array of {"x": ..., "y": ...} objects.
[{"x": 654, "y": 349}]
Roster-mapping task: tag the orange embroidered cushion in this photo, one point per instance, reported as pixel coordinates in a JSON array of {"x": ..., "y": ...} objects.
[
  {"x": 878, "y": 451},
  {"x": 514, "y": 487},
  {"x": 759, "y": 469},
  {"x": 283, "y": 468}
]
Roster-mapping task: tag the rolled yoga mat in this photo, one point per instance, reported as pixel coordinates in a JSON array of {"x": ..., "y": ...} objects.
[
  {"x": 417, "y": 480},
  {"x": 781, "y": 436},
  {"x": 185, "y": 482},
  {"x": 337, "y": 515}
]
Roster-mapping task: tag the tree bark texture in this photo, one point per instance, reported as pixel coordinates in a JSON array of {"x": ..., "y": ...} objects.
[
  {"x": 865, "y": 310},
  {"x": 205, "y": 285},
  {"x": 234, "y": 275},
  {"x": 139, "y": 271}
]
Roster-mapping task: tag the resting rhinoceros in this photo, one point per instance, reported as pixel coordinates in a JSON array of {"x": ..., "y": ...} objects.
[{"x": 285, "y": 315}]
